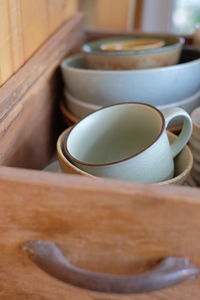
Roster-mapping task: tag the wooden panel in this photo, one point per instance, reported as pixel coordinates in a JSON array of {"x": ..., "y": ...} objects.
[
  {"x": 19, "y": 84},
  {"x": 101, "y": 225},
  {"x": 88, "y": 7},
  {"x": 56, "y": 13},
  {"x": 113, "y": 14},
  {"x": 28, "y": 115},
  {"x": 33, "y": 121},
  {"x": 71, "y": 7},
  {"x": 34, "y": 24},
  {"x": 59, "y": 11},
  {"x": 16, "y": 33},
  {"x": 25, "y": 26},
  {"x": 6, "y": 57}
]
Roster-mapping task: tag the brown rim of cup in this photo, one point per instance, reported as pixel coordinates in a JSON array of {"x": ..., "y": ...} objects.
[{"x": 72, "y": 158}]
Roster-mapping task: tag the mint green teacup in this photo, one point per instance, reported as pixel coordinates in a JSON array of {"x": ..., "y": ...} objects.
[{"x": 127, "y": 141}]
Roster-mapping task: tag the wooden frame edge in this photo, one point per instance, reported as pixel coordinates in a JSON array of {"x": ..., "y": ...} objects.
[{"x": 33, "y": 178}]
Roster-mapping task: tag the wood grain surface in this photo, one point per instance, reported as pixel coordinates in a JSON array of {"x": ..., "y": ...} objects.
[
  {"x": 17, "y": 44},
  {"x": 6, "y": 60},
  {"x": 100, "y": 225},
  {"x": 29, "y": 101},
  {"x": 104, "y": 9},
  {"x": 35, "y": 27},
  {"x": 25, "y": 26}
]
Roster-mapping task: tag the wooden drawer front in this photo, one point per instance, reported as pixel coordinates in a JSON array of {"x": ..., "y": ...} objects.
[{"x": 100, "y": 225}]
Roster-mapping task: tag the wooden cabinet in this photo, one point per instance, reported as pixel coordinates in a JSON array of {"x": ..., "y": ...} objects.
[{"x": 101, "y": 225}]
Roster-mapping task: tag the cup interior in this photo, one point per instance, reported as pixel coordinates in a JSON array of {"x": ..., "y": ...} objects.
[{"x": 114, "y": 133}]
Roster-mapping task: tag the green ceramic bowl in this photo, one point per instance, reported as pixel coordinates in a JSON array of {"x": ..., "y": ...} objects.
[{"x": 133, "y": 52}]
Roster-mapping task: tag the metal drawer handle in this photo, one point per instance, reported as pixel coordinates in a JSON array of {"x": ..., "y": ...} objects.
[{"x": 168, "y": 272}]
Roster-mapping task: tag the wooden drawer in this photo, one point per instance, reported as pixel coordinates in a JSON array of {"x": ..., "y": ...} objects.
[{"x": 102, "y": 225}]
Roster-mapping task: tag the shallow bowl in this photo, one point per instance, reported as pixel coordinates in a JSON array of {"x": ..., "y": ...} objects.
[
  {"x": 81, "y": 109},
  {"x": 78, "y": 108},
  {"x": 159, "y": 86},
  {"x": 183, "y": 162},
  {"x": 67, "y": 116},
  {"x": 133, "y": 52}
]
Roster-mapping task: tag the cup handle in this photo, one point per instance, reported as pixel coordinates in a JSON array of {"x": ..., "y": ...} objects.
[{"x": 186, "y": 131}]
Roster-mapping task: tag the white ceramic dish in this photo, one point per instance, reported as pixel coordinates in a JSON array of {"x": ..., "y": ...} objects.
[
  {"x": 80, "y": 109},
  {"x": 158, "y": 86}
]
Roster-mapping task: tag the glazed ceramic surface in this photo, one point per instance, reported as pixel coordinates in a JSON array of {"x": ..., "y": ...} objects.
[
  {"x": 127, "y": 140},
  {"x": 65, "y": 164},
  {"x": 188, "y": 104},
  {"x": 161, "y": 86},
  {"x": 132, "y": 44},
  {"x": 69, "y": 118},
  {"x": 124, "y": 59},
  {"x": 183, "y": 162},
  {"x": 81, "y": 109},
  {"x": 195, "y": 144}
]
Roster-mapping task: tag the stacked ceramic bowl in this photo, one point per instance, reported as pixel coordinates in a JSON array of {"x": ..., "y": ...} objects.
[
  {"x": 183, "y": 162},
  {"x": 157, "y": 71},
  {"x": 106, "y": 150}
]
